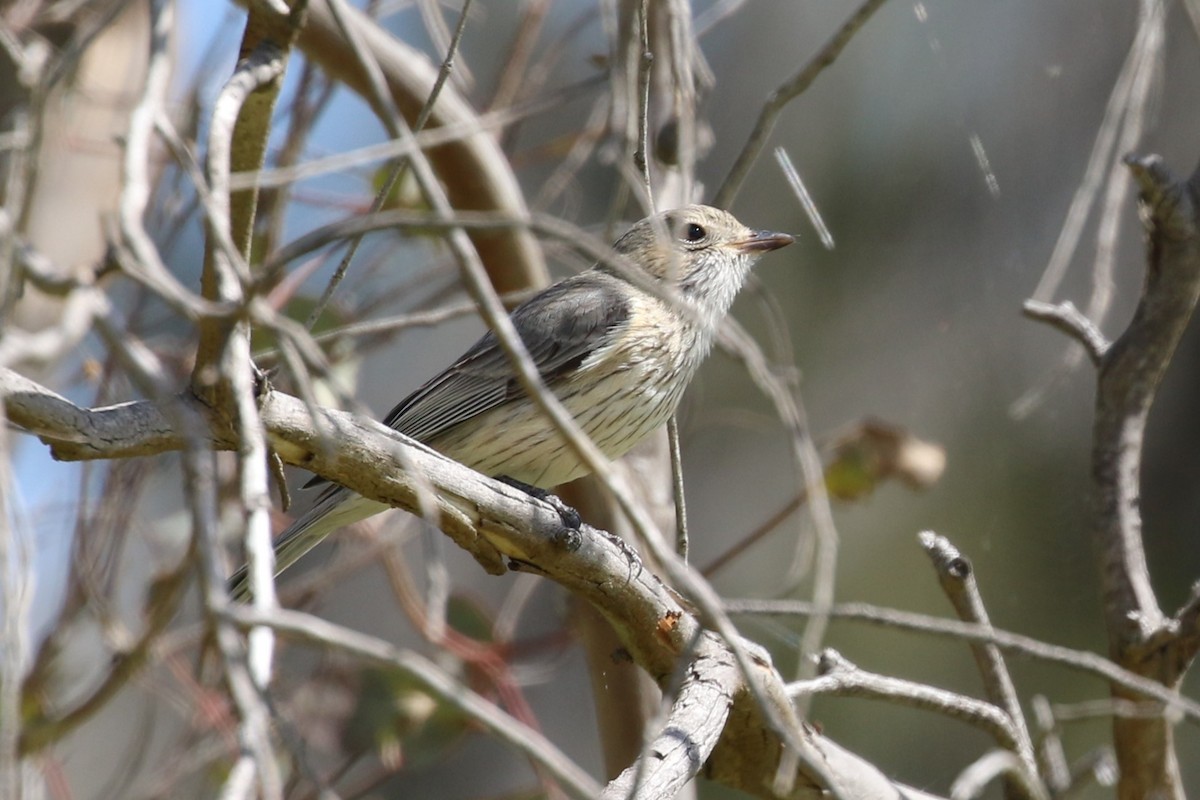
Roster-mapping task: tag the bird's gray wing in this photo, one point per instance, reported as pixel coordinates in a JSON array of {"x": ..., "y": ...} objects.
[{"x": 560, "y": 327}]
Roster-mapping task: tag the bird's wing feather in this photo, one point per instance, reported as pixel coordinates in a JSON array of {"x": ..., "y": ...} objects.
[{"x": 560, "y": 327}]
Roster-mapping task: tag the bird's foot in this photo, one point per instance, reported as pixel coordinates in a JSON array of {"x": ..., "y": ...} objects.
[{"x": 569, "y": 516}]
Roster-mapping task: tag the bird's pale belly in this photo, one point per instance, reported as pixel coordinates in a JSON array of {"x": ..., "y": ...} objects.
[{"x": 616, "y": 411}]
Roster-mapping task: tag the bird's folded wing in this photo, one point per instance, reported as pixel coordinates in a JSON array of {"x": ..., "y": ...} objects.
[{"x": 560, "y": 327}]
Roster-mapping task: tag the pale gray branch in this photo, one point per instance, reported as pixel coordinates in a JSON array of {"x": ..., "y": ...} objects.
[
  {"x": 1071, "y": 321},
  {"x": 475, "y": 171},
  {"x": 1141, "y": 637},
  {"x": 247, "y": 680},
  {"x": 690, "y": 732},
  {"x": 496, "y": 522},
  {"x": 987, "y": 768},
  {"x": 1080, "y": 660},
  {"x": 957, "y": 578},
  {"x": 784, "y": 94},
  {"x": 316, "y": 631},
  {"x": 841, "y": 677}
]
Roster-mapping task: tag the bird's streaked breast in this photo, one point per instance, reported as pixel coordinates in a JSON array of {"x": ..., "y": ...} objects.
[{"x": 622, "y": 392}]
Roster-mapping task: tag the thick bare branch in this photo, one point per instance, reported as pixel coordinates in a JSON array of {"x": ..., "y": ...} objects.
[
  {"x": 495, "y": 522},
  {"x": 74, "y": 433},
  {"x": 690, "y": 731},
  {"x": 1128, "y": 380},
  {"x": 1141, "y": 637}
]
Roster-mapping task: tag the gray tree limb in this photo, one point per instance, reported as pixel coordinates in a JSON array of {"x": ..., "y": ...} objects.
[{"x": 503, "y": 528}]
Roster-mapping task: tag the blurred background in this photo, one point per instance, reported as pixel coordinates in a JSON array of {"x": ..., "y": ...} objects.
[{"x": 943, "y": 149}]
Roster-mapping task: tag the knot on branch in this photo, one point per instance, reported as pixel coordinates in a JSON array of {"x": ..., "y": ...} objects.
[{"x": 1167, "y": 206}]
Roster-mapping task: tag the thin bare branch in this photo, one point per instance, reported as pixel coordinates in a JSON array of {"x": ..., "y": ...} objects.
[
  {"x": 379, "y": 92},
  {"x": 784, "y": 94},
  {"x": 145, "y": 264},
  {"x": 841, "y": 677},
  {"x": 973, "y": 780},
  {"x": 1079, "y": 660},
  {"x": 512, "y": 76},
  {"x": 1068, "y": 319},
  {"x": 788, "y": 406},
  {"x": 43, "y": 725},
  {"x": 1120, "y": 132},
  {"x": 316, "y": 631},
  {"x": 957, "y": 579},
  {"x": 474, "y": 170},
  {"x": 225, "y": 377},
  {"x": 681, "y": 524},
  {"x": 641, "y": 159},
  {"x": 428, "y": 139},
  {"x": 1051, "y": 755},
  {"x": 225, "y": 273},
  {"x": 801, "y": 192}
]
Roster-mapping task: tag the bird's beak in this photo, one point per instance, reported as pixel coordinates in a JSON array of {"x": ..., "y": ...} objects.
[{"x": 764, "y": 241}]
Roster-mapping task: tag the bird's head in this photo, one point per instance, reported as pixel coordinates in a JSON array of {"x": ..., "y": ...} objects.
[{"x": 702, "y": 252}]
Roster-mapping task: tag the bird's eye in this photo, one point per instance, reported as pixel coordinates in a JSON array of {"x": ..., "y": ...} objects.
[{"x": 694, "y": 232}]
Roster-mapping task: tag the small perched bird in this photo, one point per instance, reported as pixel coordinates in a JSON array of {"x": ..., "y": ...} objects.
[{"x": 617, "y": 356}]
